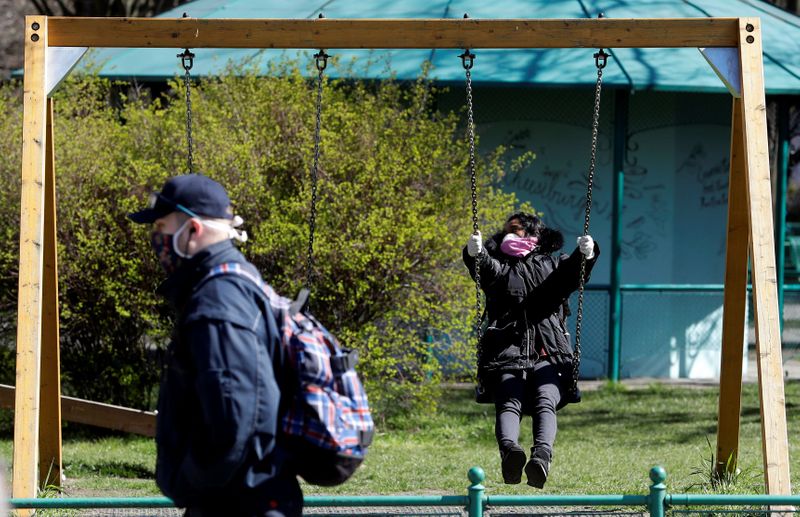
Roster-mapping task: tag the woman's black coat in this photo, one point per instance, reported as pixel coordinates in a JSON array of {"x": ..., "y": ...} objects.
[{"x": 526, "y": 302}]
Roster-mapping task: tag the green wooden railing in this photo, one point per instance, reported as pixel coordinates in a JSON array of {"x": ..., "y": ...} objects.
[{"x": 657, "y": 502}]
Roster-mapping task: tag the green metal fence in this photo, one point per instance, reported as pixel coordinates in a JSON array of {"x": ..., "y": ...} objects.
[
  {"x": 475, "y": 503},
  {"x": 620, "y": 347}
]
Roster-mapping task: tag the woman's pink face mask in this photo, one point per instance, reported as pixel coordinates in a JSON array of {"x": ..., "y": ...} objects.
[{"x": 515, "y": 246}]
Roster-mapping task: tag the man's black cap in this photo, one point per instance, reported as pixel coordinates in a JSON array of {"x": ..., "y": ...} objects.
[{"x": 193, "y": 194}]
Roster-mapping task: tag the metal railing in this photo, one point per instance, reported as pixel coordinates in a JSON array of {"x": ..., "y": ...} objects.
[
  {"x": 476, "y": 503},
  {"x": 611, "y": 335}
]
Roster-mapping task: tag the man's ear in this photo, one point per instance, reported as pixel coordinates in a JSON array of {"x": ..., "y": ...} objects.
[{"x": 195, "y": 226}]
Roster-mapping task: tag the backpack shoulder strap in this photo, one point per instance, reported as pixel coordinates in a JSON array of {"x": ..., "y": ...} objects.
[
  {"x": 236, "y": 268},
  {"x": 300, "y": 303},
  {"x": 277, "y": 306}
]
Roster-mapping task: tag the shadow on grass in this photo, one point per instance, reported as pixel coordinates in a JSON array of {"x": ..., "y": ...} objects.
[{"x": 120, "y": 469}]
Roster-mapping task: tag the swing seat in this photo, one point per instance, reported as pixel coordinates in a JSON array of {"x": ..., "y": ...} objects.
[
  {"x": 484, "y": 395},
  {"x": 570, "y": 397}
]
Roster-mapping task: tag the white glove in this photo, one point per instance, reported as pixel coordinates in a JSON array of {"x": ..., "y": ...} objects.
[
  {"x": 586, "y": 245},
  {"x": 475, "y": 244}
]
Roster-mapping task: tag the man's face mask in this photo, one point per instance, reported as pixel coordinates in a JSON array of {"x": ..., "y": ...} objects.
[{"x": 165, "y": 245}]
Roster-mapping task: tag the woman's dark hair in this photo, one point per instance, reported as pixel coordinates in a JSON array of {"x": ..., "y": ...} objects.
[{"x": 530, "y": 224}]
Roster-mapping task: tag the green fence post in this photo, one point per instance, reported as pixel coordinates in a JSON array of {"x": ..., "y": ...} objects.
[
  {"x": 621, "y": 101},
  {"x": 658, "y": 491},
  {"x": 476, "y": 476},
  {"x": 780, "y": 202}
]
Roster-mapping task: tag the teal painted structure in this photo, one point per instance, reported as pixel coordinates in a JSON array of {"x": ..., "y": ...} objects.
[
  {"x": 661, "y": 189},
  {"x": 781, "y": 198},
  {"x": 476, "y": 502},
  {"x": 634, "y": 69}
]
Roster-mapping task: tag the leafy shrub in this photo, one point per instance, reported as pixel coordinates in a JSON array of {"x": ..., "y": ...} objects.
[{"x": 393, "y": 214}]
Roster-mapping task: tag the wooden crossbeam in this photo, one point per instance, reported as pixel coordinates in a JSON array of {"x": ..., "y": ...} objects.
[
  {"x": 371, "y": 33},
  {"x": 97, "y": 414}
]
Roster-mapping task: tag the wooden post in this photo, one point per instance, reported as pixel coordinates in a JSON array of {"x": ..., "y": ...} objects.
[
  {"x": 29, "y": 315},
  {"x": 733, "y": 324},
  {"x": 50, "y": 413},
  {"x": 775, "y": 441}
]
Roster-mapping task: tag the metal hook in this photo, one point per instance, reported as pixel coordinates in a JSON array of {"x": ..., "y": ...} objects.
[
  {"x": 321, "y": 59},
  {"x": 187, "y": 59},
  {"x": 601, "y": 57},
  {"x": 467, "y": 59}
]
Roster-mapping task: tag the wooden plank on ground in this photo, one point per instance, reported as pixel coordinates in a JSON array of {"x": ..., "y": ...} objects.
[
  {"x": 29, "y": 308},
  {"x": 108, "y": 416},
  {"x": 733, "y": 323},
  {"x": 774, "y": 436},
  {"x": 392, "y": 33},
  {"x": 50, "y": 398}
]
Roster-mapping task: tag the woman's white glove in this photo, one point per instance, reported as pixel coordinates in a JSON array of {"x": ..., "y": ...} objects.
[
  {"x": 475, "y": 244},
  {"x": 586, "y": 245}
]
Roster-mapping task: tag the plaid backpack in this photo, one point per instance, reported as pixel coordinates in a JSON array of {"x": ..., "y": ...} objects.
[{"x": 327, "y": 424}]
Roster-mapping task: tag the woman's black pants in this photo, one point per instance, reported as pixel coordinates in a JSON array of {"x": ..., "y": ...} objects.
[{"x": 535, "y": 392}]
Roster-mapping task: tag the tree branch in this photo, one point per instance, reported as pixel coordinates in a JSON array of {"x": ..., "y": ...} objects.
[
  {"x": 66, "y": 11},
  {"x": 42, "y": 7}
]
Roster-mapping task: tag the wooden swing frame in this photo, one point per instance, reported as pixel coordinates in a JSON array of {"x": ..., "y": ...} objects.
[{"x": 37, "y": 419}]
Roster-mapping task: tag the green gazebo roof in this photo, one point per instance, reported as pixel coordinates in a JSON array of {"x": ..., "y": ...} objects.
[{"x": 639, "y": 69}]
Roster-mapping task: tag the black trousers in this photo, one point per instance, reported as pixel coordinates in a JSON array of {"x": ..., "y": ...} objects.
[{"x": 536, "y": 392}]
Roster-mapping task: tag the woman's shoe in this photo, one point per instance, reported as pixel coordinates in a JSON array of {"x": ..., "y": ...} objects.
[
  {"x": 512, "y": 461},
  {"x": 537, "y": 468}
]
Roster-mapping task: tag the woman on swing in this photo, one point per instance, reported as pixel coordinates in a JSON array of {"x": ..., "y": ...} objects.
[{"x": 526, "y": 356}]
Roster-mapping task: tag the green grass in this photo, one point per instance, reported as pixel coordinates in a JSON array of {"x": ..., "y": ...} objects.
[{"x": 606, "y": 444}]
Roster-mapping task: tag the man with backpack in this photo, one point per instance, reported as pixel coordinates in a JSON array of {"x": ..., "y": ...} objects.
[{"x": 219, "y": 407}]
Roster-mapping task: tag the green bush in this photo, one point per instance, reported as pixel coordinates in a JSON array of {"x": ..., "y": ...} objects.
[
  {"x": 393, "y": 214},
  {"x": 10, "y": 149}
]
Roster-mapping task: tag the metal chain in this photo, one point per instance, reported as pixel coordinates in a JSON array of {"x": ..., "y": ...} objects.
[
  {"x": 321, "y": 60},
  {"x": 467, "y": 60},
  {"x": 187, "y": 60},
  {"x": 600, "y": 59}
]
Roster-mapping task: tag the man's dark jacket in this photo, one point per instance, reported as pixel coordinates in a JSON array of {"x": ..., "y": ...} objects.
[
  {"x": 526, "y": 302},
  {"x": 218, "y": 408}
]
